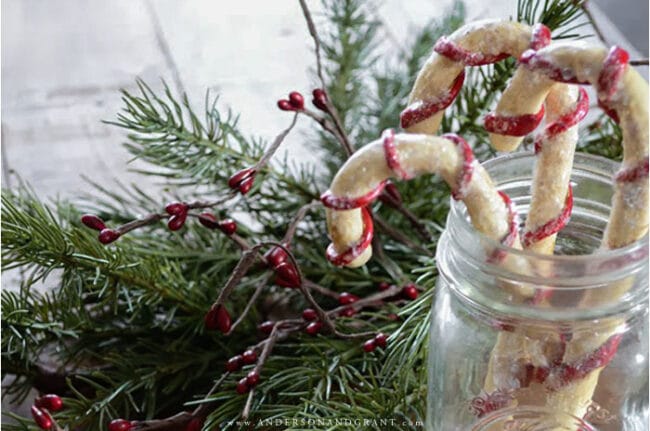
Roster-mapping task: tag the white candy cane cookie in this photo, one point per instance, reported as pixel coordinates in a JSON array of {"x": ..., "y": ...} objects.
[
  {"x": 623, "y": 94},
  {"x": 403, "y": 156},
  {"x": 474, "y": 44}
]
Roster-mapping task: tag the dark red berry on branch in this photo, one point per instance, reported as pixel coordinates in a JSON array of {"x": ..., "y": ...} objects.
[
  {"x": 276, "y": 256},
  {"x": 252, "y": 378},
  {"x": 176, "y": 208},
  {"x": 228, "y": 226},
  {"x": 246, "y": 185},
  {"x": 309, "y": 314},
  {"x": 383, "y": 286},
  {"x": 42, "y": 418},
  {"x": 369, "y": 346},
  {"x": 242, "y": 386},
  {"x": 296, "y": 100},
  {"x": 320, "y": 99},
  {"x": 208, "y": 220},
  {"x": 235, "y": 363},
  {"x": 242, "y": 180},
  {"x": 176, "y": 221},
  {"x": 51, "y": 402},
  {"x": 194, "y": 425},
  {"x": 218, "y": 318},
  {"x": 347, "y": 312},
  {"x": 249, "y": 357},
  {"x": 313, "y": 328},
  {"x": 287, "y": 275},
  {"x": 107, "y": 236},
  {"x": 93, "y": 222},
  {"x": 381, "y": 340},
  {"x": 285, "y": 105},
  {"x": 346, "y": 298},
  {"x": 392, "y": 316},
  {"x": 266, "y": 327},
  {"x": 410, "y": 291},
  {"x": 120, "y": 425}
]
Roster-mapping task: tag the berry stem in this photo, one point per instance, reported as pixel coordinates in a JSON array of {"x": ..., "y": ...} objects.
[
  {"x": 275, "y": 145},
  {"x": 251, "y": 301}
]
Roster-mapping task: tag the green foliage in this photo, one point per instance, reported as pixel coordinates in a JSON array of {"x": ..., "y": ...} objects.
[{"x": 124, "y": 322}]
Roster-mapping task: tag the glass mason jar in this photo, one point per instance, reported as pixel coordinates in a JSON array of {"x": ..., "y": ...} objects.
[{"x": 575, "y": 360}]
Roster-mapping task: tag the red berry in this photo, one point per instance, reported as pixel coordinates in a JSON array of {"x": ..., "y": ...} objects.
[
  {"x": 234, "y": 363},
  {"x": 242, "y": 386},
  {"x": 228, "y": 226},
  {"x": 107, "y": 236},
  {"x": 285, "y": 105},
  {"x": 392, "y": 316},
  {"x": 383, "y": 286},
  {"x": 348, "y": 312},
  {"x": 287, "y": 275},
  {"x": 313, "y": 328},
  {"x": 218, "y": 318},
  {"x": 176, "y": 208},
  {"x": 93, "y": 222},
  {"x": 266, "y": 327},
  {"x": 120, "y": 425},
  {"x": 309, "y": 314},
  {"x": 320, "y": 99},
  {"x": 208, "y": 220},
  {"x": 246, "y": 185},
  {"x": 275, "y": 256},
  {"x": 252, "y": 378},
  {"x": 194, "y": 425},
  {"x": 381, "y": 340},
  {"x": 239, "y": 176},
  {"x": 369, "y": 346},
  {"x": 410, "y": 291},
  {"x": 296, "y": 100},
  {"x": 42, "y": 418},
  {"x": 249, "y": 357},
  {"x": 51, "y": 402},
  {"x": 346, "y": 298},
  {"x": 176, "y": 221}
]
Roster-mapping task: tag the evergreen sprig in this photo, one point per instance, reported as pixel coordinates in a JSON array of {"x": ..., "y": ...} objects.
[{"x": 123, "y": 324}]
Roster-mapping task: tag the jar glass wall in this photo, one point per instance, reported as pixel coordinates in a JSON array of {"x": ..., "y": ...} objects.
[{"x": 526, "y": 341}]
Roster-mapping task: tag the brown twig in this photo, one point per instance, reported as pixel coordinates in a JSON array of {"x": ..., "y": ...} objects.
[
  {"x": 640, "y": 62},
  {"x": 399, "y": 236},
  {"x": 300, "y": 215},
  {"x": 320, "y": 289},
  {"x": 261, "y": 285},
  {"x": 331, "y": 109},
  {"x": 323, "y": 122},
  {"x": 275, "y": 145}
]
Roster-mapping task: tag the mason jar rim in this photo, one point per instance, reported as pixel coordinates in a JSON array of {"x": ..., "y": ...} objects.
[{"x": 458, "y": 212}]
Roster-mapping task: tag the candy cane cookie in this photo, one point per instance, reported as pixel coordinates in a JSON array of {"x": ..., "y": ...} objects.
[
  {"x": 623, "y": 95},
  {"x": 362, "y": 178},
  {"x": 474, "y": 44}
]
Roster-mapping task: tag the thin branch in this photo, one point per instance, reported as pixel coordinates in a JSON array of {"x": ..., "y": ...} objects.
[
  {"x": 275, "y": 145},
  {"x": 319, "y": 70},
  {"x": 640, "y": 62},
  {"x": 399, "y": 236},
  {"x": 302, "y": 212},
  {"x": 250, "y": 303}
]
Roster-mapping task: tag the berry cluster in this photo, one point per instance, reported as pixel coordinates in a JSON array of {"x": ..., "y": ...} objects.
[
  {"x": 42, "y": 407},
  {"x": 296, "y": 101},
  {"x": 219, "y": 318},
  {"x": 286, "y": 274},
  {"x": 236, "y": 363},
  {"x": 175, "y": 212}
]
